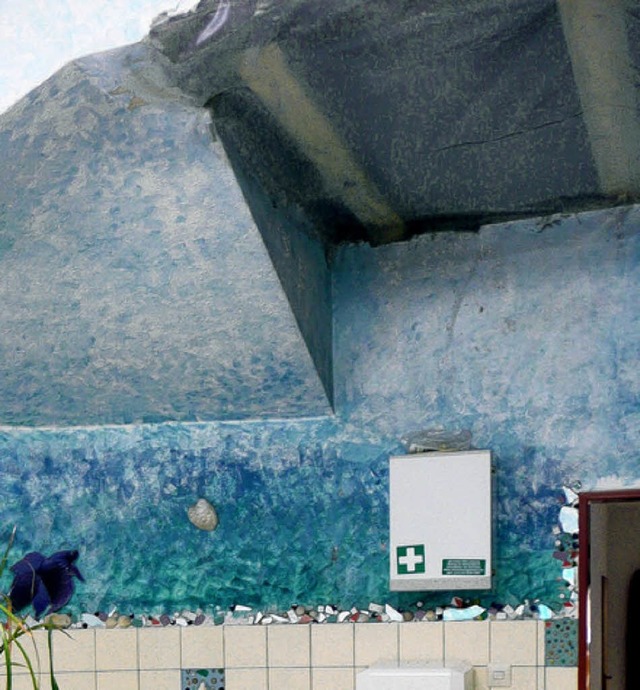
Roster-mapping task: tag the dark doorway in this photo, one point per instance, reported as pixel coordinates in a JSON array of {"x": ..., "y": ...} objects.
[{"x": 609, "y": 556}]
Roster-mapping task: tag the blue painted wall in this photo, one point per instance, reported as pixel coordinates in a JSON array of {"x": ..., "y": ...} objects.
[
  {"x": 528, "y": 334},
  {"x": 135, "y": 285}
]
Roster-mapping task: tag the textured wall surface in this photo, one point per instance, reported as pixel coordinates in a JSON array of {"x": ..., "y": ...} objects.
[
  {"x": 135, "y": 285},
  {"x": 527, "y": 334},
  {"x": 302, "y": 508}
]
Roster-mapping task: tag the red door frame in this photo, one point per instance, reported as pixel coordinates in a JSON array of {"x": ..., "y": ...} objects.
[{"x": 584, "y": 507}]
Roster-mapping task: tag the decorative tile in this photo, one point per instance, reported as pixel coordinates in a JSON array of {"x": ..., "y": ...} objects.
[
  {"x": 193, "y": 678},
  {"x": 561, "y": 642}
]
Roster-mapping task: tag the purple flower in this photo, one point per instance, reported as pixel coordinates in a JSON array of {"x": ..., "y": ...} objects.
[{"x": 47, "y": 583}]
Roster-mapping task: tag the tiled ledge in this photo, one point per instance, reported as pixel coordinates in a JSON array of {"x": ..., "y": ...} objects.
[{"x": 304, "y": 657}]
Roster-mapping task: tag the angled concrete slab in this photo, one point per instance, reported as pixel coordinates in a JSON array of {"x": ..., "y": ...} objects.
[{"x": 134, "y": 282}]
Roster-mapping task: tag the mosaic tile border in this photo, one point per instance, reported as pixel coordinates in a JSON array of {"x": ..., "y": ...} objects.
[
  {"x": 202, "y": 679},
  {"x": 561, "y": 642}
]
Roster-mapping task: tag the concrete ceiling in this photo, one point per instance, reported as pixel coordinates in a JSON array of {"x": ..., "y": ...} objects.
[{"x": 387, "y": 118}]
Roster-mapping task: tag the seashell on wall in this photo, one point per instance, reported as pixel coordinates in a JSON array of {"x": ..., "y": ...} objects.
[{"x": 203, "y": 515}]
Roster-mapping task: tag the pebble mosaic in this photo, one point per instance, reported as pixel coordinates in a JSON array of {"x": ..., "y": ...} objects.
[
  {"x": 561, "y": 642},
  {"x": 202, "y": 679}
]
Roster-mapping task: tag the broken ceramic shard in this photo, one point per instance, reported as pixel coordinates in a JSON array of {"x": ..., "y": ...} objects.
[
  {"x": 203, "y": 515},
  {"x": 544, "y": 612},
  {"x": 393, "y": 615},
  {"x": 569, "y": 519},
  {"x": 462, "y": 614},
  {"x": 569, "y": 575},
  {"x": 571, "y": 497}
]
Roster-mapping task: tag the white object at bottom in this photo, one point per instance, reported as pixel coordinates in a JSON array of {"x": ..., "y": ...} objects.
[{"x": 414, "y": 677}]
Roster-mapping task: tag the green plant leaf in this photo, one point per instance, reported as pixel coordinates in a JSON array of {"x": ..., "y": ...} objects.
[
  {"x": 28, "y": 663},
  {"x": 5, "y": 558},
  {"x": 6, "y": 649},
  {"x": 54, "y": 684}
]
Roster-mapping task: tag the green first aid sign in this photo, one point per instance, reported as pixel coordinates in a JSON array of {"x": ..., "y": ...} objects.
[{"x": 410, "y": 559}]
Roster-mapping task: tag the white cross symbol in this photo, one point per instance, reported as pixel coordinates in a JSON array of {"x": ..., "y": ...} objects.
[{"x": 411, "y": 559}]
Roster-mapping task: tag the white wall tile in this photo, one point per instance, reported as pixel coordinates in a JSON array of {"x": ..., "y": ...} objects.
[
  {"x": 23, "y": 682},
  {"x": 245, "y": 646},
  {"x": 202, "y": 647},
  {"x": 159, "y": 648},
  {"x": 290, "y": 678},
  {"x": 525, "y": 678},
  {"x": 120, "y": 680},
  {"x": 376, "y": 642},
  {"x": 332, "y": 645},
  {"x": 289, "y": 646},
  {"x": 299, "y": 657},
  {"x": 332, "y": 679},
  {"x": 541, "y": 642},
  {"x": 423, "y": 642},
  {"x": 116, "y": 650},
  {"x": 74, "y": 681},
  {"x": 522, "y": 678},
  {"x": 514, "y": 642},
  {"x": 36, "y": 648},
  {"x": 561, "y": 678},
  {"x": 245, "y": 679},
  {"x": 467, "y": 641},
  {"x": 74, "y": 650},
  {"x": 158, "y": 680},
  {"x": 480, "y": 678}
]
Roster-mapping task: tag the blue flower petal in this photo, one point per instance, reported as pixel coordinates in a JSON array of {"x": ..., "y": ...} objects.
[
  {"x": 76, "y": 572},
  {"x": 23, "y": 590},
  {"x": 57, "y": 574},
  {"x": 31, "y": 562},
  {"x": 41, "y": 600},
  {"x": 26, "y": 582},
  {"x": 47, "y": 583}
]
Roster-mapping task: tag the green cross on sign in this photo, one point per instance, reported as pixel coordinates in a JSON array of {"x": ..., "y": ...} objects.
[{"x": 410, "y": 559}]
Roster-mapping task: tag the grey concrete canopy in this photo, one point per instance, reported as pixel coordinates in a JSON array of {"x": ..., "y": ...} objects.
[{"x": 398, "y": 117}]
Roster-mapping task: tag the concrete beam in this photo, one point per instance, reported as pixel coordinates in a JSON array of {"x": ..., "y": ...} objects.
[
  {"x": 596, "y": 36},
  {"x": 267, "y": 74}
]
